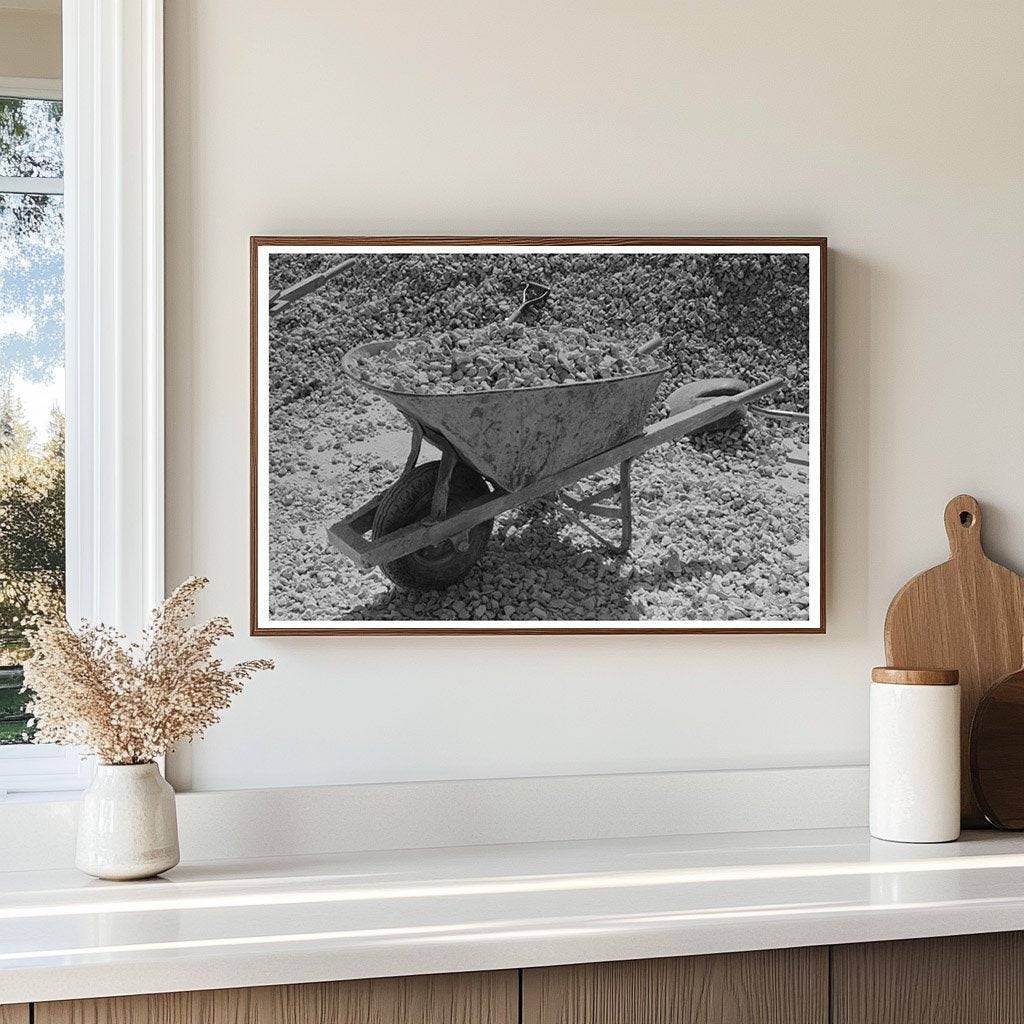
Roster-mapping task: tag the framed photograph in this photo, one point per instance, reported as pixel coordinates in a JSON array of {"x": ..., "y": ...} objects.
[{"x": 537, "y": 435}]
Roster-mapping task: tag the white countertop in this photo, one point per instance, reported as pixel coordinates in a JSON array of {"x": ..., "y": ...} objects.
[{"x": 260, "y": 922}]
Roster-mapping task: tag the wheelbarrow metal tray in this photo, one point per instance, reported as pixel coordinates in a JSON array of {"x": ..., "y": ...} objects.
[{"x": 516, "y": 436}]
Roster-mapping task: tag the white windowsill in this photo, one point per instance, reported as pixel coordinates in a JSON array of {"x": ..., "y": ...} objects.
[
  {"x": 42, "y": 771},
  {"x": 240, "y": 824}
]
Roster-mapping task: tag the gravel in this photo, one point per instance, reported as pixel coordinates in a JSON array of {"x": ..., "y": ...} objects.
[
  {"x": 500, "y": 357},
  {"x": 720, "y": 519}
]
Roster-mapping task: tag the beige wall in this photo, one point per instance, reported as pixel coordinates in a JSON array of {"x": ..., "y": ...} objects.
[
  {"x": 30, "y": 43},
  {"x": 895, "y": 129}
]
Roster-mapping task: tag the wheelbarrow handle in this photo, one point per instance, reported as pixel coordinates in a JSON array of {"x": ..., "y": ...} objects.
[
  {"x": 534, "y": 294},
  {"x": 760, "y": 391},
  {"x": 657, "y": 343}
]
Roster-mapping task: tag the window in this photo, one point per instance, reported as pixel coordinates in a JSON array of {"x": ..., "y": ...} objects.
[
  {"x": 104, "y": 194},
  {"x": 32, "y": 548}
]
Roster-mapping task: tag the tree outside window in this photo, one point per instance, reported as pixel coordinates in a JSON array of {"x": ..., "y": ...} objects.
[{"x": 31, "y": 387}]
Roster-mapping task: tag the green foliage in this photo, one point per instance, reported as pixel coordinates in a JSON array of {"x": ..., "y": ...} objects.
[
  {"x": 32, "y": 551},
  {"x": 14, "y": 727},
  {"x": 32, "y": 510}
]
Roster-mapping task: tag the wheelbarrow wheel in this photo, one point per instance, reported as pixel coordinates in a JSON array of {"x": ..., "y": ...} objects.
[
  {"x": 698, "y": 391},
  {"x": 408, "y": 501}
]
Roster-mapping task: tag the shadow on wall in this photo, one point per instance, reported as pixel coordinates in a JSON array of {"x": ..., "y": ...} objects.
[{"x": 854, "y": 287}]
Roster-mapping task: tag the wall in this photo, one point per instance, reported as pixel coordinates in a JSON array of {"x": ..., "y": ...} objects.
[
  {"x": 30, "y": 39},
  {"x": 895, "y": 129}
]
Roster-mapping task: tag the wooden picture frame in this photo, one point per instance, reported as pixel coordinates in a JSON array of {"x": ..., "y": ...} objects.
[{"x": 346, "y": 539}]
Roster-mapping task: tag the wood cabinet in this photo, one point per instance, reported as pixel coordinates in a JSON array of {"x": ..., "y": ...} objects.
[
  {"x": 962, "y": 979},
  {"x": 491, "y": 998},
  {"x": 970, "y": 979},
  {"x": 776, "y": 986}
]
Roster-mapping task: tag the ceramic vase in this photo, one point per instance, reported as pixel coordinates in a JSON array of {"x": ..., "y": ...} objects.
[{"x": 127, "y": 825}]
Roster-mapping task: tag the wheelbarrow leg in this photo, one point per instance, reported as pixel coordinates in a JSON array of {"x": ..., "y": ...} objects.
[
  {"x": 626, "y": 505},
  {"x": 439, "y": 500},
  {"x": 414, "y": 450},
  {"x": 576, "y": 508}
]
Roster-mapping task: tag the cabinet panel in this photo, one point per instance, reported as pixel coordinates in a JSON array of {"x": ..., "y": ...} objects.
[
  {"x": 778, "y": 986},
  {"x": 962, "y": 979},
  {"x": 481, "y": 998},
  {"x": 14, "y": 1013}
]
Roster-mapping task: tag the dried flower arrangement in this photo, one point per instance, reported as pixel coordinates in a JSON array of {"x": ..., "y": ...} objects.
[{"x": 129, "y": 703}]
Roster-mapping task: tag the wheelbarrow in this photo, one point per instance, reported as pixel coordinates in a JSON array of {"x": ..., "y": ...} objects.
[{"x": 501, "y": 450}]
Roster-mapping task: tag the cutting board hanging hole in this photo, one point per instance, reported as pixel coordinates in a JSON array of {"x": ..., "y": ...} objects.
[{"x": 963, "y": 525}]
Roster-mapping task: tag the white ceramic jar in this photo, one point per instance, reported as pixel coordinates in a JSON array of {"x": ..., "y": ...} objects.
[
  {"x": 915, "y": 755},
  {"x": 127, "y": 824}
]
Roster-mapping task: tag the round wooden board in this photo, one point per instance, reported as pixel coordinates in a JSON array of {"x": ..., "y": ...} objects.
[{"x": 997, "y": 752}]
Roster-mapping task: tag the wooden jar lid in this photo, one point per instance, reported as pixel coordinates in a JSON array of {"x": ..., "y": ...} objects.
[{"x": 916, "y": 676}]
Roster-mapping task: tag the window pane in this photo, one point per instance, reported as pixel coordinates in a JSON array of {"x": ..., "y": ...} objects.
[
  {"x": 31, "y": 138},
  {"x": 31, "y": 433}
]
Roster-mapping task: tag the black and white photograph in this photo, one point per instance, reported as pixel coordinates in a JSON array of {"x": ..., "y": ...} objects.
[{"x": 578, "y": 435}]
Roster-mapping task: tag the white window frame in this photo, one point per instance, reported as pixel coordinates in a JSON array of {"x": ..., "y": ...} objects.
[
  {"x": 32, "y": 88},
  {"x": 114, "y": 324}
]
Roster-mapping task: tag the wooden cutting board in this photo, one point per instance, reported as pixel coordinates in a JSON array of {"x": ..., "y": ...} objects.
[{"x": 967, "y": 614}]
